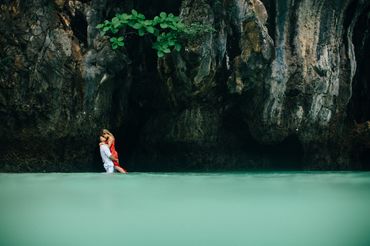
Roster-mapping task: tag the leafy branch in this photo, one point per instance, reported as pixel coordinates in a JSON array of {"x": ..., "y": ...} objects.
[{"x": 167, "y": 30}]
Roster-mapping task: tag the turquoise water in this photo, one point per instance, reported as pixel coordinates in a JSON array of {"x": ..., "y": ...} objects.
[{"x": 185, "y": 209}]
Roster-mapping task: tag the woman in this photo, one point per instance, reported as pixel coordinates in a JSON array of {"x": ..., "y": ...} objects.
[{"x": 110, "y": 141}]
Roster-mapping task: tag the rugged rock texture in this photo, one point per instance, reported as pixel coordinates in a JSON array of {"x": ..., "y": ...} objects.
[
  {"x": 56, "y": 84},
  {"x": 280, "y": 84},
  {"x": 306, "y": 87}
]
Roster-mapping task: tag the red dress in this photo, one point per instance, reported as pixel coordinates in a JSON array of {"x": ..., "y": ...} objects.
[{"x": 114, "y": 153}]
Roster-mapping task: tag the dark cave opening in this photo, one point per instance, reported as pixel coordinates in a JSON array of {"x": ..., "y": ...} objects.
[
  {"x": 144, "y": 98},
  {"x": 359, "y": 107},
  {"x": 286, "y": 155}
]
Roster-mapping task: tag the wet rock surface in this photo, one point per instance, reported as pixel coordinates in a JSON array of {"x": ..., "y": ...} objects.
[{"x": 279, "y": 84}]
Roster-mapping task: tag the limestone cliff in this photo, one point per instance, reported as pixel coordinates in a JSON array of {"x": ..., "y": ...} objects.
[{"x": 279, "y": 84}]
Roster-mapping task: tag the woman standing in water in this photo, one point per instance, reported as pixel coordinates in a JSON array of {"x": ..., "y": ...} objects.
[{"x": 111, "y": 141}]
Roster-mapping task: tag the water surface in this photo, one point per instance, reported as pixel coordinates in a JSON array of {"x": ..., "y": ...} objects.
[{"x": 185, "y": 209}]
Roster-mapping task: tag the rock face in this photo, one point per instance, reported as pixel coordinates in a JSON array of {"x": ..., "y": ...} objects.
[
  {"x": 56, "y": 89},
  {"x": 279, "y": 84},
  {"x": 306, "y": 87}
]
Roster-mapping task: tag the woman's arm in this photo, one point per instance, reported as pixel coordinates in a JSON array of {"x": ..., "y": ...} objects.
[{"x": 113, "y": 158}]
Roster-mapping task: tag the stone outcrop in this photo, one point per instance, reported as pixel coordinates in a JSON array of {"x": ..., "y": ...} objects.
[{"x": 279, "y": 84}]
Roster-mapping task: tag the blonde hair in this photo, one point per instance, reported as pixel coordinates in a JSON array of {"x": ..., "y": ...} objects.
[{"x": 103, "y": 131}]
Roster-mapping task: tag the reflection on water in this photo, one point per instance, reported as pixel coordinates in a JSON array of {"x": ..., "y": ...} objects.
[{"x": 185, "y": 209}]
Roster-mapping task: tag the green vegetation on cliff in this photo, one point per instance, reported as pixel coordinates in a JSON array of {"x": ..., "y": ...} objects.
[{"x": 168, "y": 30}]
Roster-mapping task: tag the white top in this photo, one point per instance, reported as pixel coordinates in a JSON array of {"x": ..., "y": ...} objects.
[{"x": 105, "y": 154}]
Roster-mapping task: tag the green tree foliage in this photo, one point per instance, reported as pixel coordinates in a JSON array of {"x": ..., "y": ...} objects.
[{"x": 167, "y": 30}]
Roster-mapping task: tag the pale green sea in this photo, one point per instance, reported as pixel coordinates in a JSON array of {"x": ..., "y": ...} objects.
[{"x": 280, "y": 209}]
